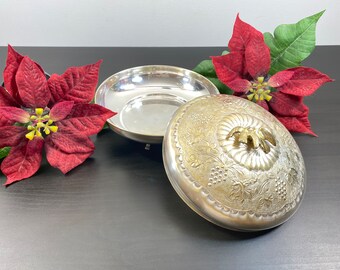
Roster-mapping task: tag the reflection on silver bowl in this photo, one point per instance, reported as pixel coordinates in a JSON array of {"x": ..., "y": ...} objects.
[{"x": 146, "y": 97}]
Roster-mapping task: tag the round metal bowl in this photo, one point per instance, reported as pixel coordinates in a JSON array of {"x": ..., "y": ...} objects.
[{"x": 146, "y": 97}]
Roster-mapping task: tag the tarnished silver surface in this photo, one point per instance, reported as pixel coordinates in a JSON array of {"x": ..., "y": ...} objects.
[
  {"x": 234, "y": 163},
  {"x": 146, "y": 97}
]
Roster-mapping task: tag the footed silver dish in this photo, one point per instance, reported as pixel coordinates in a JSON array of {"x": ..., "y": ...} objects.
[{"x": 146, "y": 97}]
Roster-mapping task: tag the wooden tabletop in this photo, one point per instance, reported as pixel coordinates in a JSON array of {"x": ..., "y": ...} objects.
[{"x": 119, "y": 211}]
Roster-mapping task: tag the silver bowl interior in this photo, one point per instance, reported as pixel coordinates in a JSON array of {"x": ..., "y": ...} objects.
[{"x": 146, "y": 97}]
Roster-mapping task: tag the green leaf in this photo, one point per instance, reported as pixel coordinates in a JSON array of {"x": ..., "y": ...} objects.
[
  {"x": 222, "y": 88},
  {"x": 207, "y": 69},
  {"x": 292, "y": 43},
  {"x": 4, "y": 152}
]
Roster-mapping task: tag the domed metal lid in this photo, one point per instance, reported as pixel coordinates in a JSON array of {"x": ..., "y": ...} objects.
[{"x": 234, "y": 163}]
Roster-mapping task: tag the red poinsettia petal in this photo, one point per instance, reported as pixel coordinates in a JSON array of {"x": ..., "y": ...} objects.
[
  {"x": 241, "y": 34},
  {"x": 299, "y": 124},
  {"x": 12, "y": 135},
  {"x": 280, "y": 78},
  {"x": 263, "y": 104},
  {"x": 15, "y": 114},
  {"x": 66, "y": 160},
  {"x": 32, "y": 84},
  {"x": 23, "y": 160},
  {"x": 5, "y": 122},
  {"x": 239, "y": 85},
  {"x": 12, "y": 64},
  {"x": 304, "y": 82},
  {"x": 77, "y": 84},
  {"x": 228, "y": 67},
  {"x": 61, "y": 110},
  {"x": 257, "y": 57},
  {"x": 287, "y": 105},
  {"x": 87, "y": 119},
  {"x": 6, "y": 99},
  {"x": 70, "y": 142}
]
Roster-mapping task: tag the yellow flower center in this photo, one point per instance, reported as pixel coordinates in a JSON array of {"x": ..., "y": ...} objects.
[
  {"x": 40, "y": 124},
  {"x": 259, "y": 91}
]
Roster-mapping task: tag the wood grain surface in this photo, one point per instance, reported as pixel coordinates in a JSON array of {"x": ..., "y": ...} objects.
[{"x": 119, "y": 211}]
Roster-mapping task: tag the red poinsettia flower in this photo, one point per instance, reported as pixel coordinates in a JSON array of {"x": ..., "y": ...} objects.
[
  {"x": 54, "y": 114},
  {"x": 245, "y": 71}
]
